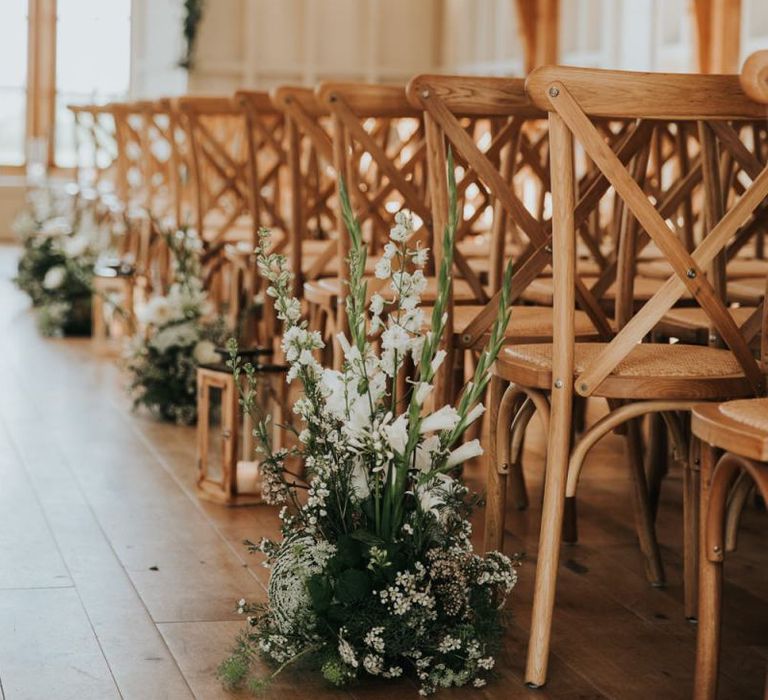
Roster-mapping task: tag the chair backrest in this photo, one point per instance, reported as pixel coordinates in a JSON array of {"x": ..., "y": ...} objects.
[
  {"x": 96, "y": 146},
  {"x": 483, "y": 120},
  {"x": 311, "y": 177},
  {"x": 380, "y": 151},
  {"x": 218, "y": 143},
  {"x": 161, "y": 169},
  {"x": 131, "y": 185},
  {"x": 577, "y": 99},
  {"x": 267, "y": 160}
]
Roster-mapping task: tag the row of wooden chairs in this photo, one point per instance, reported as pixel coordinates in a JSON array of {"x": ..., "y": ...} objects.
[{"x": 632, "y": 206}]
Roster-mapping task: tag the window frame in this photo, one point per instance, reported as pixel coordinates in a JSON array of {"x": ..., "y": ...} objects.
[{"x": 41, "y": 90}]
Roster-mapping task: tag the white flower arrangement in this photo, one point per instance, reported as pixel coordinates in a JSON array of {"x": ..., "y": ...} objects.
[
  {"x": 402, "y": 589},
  {"x": 178, "y": 334},
  {"x": 61, "y": 243}
]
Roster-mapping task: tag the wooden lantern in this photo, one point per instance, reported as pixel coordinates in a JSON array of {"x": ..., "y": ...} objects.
[
  {"x": 228, "y": 472},
  {"x": 112, "y": 305}
]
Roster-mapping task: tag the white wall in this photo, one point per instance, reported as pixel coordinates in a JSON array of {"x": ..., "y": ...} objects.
[
  {"x": 262, "y": 43},
  {"x": 156, "y": 48}
]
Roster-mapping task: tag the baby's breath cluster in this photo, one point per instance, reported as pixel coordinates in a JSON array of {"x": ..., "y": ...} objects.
[{"x": 375, "y": 574}]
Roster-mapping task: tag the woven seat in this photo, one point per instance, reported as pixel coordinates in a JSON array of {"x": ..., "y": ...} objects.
[
  {"x": 752, "y": 412},
  {"x": 749, "y": 290},
  {"x": 735, "y": 270},
  {"x": 739, "y": 426},
  {"x": 649, "y": 371},
  {"x": 691, "y": 324},
  {"x": 527, "y": 324}
]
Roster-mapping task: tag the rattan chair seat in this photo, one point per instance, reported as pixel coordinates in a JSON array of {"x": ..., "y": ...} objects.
[{"x": 649, "y": 371}]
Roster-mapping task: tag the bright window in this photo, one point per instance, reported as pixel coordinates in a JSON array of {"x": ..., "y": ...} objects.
[
  {"x": 13, "y": 80},
  {"x": 93, "y": 49}
]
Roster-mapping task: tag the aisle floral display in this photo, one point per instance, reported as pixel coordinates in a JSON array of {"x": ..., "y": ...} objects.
[
  {"x": 179, "y": 333},
  {"x": 60, "y": 245},
  {"x": 375, "y": 574}
]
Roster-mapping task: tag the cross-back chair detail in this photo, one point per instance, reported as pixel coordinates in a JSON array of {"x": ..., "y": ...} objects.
[
  {"x": 267, "y": 161},
  {"x": 379, "y": 150},
  {"x": 216, "y": 129},
  {"x": 312, "y": 180},
  {"x": 637, "y": 378}
]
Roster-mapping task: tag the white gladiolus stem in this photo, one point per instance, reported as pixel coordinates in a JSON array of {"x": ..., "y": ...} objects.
[
  {"x": 437, "y": 360},
  {"x": 464, "y": 452},
  {"x": 447, "y": 418},
  {"x": 345, "y": 346},
  {"x": 422, "y": 392},
  {"x": 475, "y": 413}
]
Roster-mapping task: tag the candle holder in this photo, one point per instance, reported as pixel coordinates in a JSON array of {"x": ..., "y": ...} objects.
[{"x": 228, "y": 471}]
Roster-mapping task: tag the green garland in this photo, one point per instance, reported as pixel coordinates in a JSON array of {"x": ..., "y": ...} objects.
[{"x": 193, "y": 15}]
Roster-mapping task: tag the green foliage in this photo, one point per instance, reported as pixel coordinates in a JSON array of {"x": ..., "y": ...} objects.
[
  {"x": 193, "y": 15},
  {"x": 56, "y": 267}
]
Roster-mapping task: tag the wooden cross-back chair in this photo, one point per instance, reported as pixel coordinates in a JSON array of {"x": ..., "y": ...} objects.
[
  {"x": 312, "y": 185},
  {"x": 637, "y": 378},
  {"x": 96, "y": 147},
  {"x": 380, "y": 151},
  {"x": 217, "y": 134},
  {"x": 738, "y": 430},
  {"x": 734, "y": 461},
  {"x": 218, "y": 144},
  {"x": 267, "y": 175},
  {"x": 508, "y": 164}
]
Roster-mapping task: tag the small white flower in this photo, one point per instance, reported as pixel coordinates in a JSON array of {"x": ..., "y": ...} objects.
[
  {"x": 383, "y": 268},
  {"x": 55, "y": 277},
  {"x": 420, "y": 257},
  {"x": 158, "y": 311},
  {"x": 205, "y": 353},
  {"x": 75, "y": 246},
  {"x": 398, "y": 233},
  {"x": 377, "y": 304}
]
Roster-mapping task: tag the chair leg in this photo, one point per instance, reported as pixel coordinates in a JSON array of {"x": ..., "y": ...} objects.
[
  {"x": 496, "y": 488},
  {"x": 643, "y": 516},
  {"x": 691, "y": 524},
  {"x": 656, "y": 459},
  {"x": 559, "y": 440},
  {"x": 710, "y": 593},
  {"x": 517, "y": 486}
]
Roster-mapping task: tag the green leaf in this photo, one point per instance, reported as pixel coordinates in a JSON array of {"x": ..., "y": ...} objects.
[
  {"x": 320, "y": 592},
  {"x": 349, "y": 552},
  {"x": 366, "y": 537},
  {"x": 352, "y": 586}
]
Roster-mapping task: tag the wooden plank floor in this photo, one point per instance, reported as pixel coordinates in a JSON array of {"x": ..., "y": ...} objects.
[{"x": 116, "y": 582}]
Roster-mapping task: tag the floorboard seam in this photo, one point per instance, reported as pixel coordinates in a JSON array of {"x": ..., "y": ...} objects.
[{"x": 108, "y": 542}]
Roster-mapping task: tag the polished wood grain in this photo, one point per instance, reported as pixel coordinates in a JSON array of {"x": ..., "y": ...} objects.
[{"x": 93, "y": 498}]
